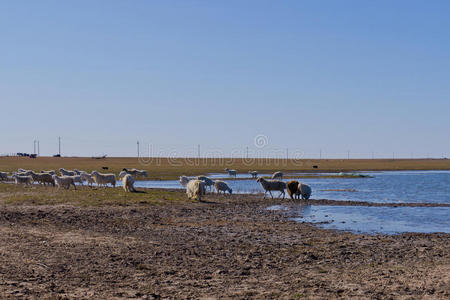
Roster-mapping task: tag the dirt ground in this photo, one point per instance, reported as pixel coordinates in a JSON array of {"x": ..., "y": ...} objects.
[{"x": 227, "y": 247}]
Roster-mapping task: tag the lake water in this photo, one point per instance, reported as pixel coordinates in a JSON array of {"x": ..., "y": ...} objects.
[
  {"x": 392, "y": 187},
  {"x": 371, "y": 220},
  {"x": 383, "y": 187}
]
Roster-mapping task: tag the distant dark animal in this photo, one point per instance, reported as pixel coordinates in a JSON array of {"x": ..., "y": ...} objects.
[
  {"x": 292, "y": 189},
  {"x": 105, "y": 168},
  {"x": 315, "y": 167}
]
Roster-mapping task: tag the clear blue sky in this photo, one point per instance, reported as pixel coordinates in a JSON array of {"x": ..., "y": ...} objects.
[{"x": 333, "y": 75}]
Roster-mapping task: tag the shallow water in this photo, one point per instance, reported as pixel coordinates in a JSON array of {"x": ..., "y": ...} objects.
[
  {"x": 371, "y": 220},
  {"x": 394, "y": 187}
]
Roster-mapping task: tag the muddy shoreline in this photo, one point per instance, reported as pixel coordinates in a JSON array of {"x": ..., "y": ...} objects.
[{"x": 226, "y": 247}]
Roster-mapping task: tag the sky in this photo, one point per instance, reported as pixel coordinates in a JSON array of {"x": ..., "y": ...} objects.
[{"x": 340, "y": 77}]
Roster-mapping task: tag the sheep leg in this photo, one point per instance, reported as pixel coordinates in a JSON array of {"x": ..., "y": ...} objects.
[{"x": 270, "y": 192}]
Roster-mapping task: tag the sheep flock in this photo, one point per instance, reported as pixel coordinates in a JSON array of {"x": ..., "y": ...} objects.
[{"x": 196, "y": 186}]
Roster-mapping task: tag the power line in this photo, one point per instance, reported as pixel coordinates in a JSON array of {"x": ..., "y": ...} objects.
[{"x": 137, "y": 148}]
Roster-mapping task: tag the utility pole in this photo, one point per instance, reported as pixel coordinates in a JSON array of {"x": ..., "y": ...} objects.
[
  {"x": 287, "y": 153},
  {"x": 137, "y": 148},
  {"x": 247, "y": 152},
  {"x": 34, "y": 147},
  {"x": 59, "y": 145},
  {"x": 39, "y": 152},
  {"x": 348, "y": 154}
]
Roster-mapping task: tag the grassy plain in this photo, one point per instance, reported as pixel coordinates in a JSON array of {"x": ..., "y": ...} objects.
[{"x": 165, "y": 168}]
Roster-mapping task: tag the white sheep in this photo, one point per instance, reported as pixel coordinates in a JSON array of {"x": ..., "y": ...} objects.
[
  {"x": 184, "y": 180},
  {"x": 20, "y": 179},
  {"x": 77, "y": 179},
  {"x": 87, "y": 177},
  {"x": 304, "y": 190},
  {"x": 25, "y": 173},
  {"x": 222, "y": 186},
  {"x": 135, "y": 172},
  {"x": 272, "y": 185},
  {"x": 231, "y": 172},
  {"x": 3, "y": 175},
  {"x": 64, "y": 181},
  {"x": 208, "y": 181},
  {"x": 51, "y": 172},
  {"x": 104, "y": 179},
  {"x": 277, "y": 175},
  {"x": 253, "y": 173},
  {"x": 128, "y": 183},
  {"x": 122, "y": 174},
  {"x": 43, "y": 178},
  {"x": 65, "y": 172},
  {"x": 195, "y": 189}
]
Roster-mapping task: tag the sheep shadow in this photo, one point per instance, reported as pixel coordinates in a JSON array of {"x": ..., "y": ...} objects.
[
  {"x": 207, "y": 202},
  {"x": 139, "y": 192}
]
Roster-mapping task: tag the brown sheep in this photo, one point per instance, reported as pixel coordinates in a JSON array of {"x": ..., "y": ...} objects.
[{"x": 292, "y": 189}]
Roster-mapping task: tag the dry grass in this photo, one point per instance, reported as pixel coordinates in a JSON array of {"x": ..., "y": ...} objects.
[
  {"x": 86, "y": 196},
  {"x": 164, "y": 168}
]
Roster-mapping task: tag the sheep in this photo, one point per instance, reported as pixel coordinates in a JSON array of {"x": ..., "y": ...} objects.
[
  {"x": 277, "y": 175},
  {"x": 304, "y": 190},
  {"x": 222, "y": 186},
  {"x": 43, "y": 178},
  {"x": 231, "y": 172},
  {"x": 128, "y": 183},
  {"x": 51, "y": 172},
  {"x": 208, "y": 181},
  {"x": 104, "y": 179},
  {"x": 3, "y": 175},
  {"x": 184, "y": 180},
  {"x": 20, "y": 179},
  {"x": 195, "y": 189},
  {"x": 77, "y": 179},
  {"x": 64, "y": 181},
  {"x": 77, "y": 172},
  {"x": 136, "y": 172},
  {"x": 122, "y": 174},
  {"x": 292, "y": 189},
  {"x": 253, "y": 173},
  {"x": 24, "y": 173},
  {"x": 87, "y": 177},
  {"x": 66, "y": 172},
  {"x": 272, "y": 185}
]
